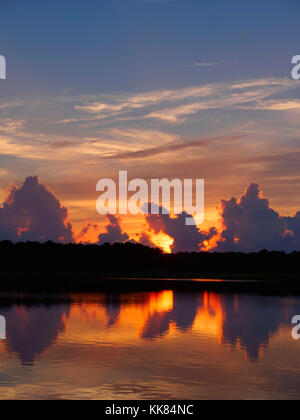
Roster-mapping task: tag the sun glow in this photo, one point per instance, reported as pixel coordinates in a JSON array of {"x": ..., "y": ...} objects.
[{"x": 163, "y": 241}]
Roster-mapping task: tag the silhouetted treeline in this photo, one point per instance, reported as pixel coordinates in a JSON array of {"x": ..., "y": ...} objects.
[{"x": 130, "y": 259}]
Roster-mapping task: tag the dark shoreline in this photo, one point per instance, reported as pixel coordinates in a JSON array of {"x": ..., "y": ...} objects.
[
  {"x": 97, "y": 283},
  {"x": 120, "y": 268}
]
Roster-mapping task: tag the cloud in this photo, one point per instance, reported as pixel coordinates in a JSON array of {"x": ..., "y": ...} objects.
[
  {"x": 96, "y": 134},
  {"x": 85, "y": 230},
  {"x": 10, "y": 105},
  {"x": 33, "y": 213},
  {"x": 10, "y": 126},
  {"x": 275, "y": 105},
  {"x": 203, "y": 64},
  {"x": 116, "y": 143},
  {"x": 186, "y": 238},
  {"x": 113, "y": 232},
  {"x": 171, "y": 147},
  {"x": 63, "y": 144},
  {"x": 293, "y": 227},
  {"x": 178, "y": 113},
  {"x": 173, "y": 106},
  {"x": 16, "y": 141},
  {"x": 145, "y": 240},
  {"x": 250, "y": 225}
]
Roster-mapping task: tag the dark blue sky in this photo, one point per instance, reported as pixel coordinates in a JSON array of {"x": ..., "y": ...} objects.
[{"x": 136, "y": 45}]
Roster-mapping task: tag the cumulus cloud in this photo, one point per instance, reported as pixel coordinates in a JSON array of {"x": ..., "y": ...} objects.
[
  {"x": 250, "y": 225},
  {"x": 85, "y": 230},
  {"x": 33, "y": 213},
  {"x": 293, "y": 228},
  {"x": 186, "y": 238},
  {"x": 113, "y": 232},
  {"x": 145, "y": 240}
]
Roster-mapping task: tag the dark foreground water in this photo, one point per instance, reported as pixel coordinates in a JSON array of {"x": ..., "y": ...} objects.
[{"x": 164, "y": 345}]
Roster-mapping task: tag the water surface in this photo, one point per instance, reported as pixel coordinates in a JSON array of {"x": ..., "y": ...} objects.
[{"x": 158, "y": 345}]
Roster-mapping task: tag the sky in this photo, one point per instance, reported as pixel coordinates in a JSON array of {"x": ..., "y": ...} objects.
[{"x": 162, "y": 89}]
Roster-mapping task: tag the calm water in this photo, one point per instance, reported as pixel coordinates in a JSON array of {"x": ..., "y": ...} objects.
[{"x": 164, "y": 345}]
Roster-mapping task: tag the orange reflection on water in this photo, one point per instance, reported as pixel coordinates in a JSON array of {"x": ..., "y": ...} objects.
[
  {"x": 240, "y": 322},
  {"x": 123, "y": 318},
  {"x": 116, "y": 319},
  {"x": 161, "y": 302},
  {"x": 145, "y": 344},
  {"x": 210, "y": 316}
]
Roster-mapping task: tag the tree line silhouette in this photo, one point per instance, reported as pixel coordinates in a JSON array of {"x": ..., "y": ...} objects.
[{"x": 132, "y": 259}]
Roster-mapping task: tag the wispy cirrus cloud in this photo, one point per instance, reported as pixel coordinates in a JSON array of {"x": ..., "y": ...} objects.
[
  {"x": 10, "y": 105},
  {"x": 9, "y": 125},
  {"x": 275, "y": 105},
  {"x": 174, "y": 106},
  {"x": 173, "y": 147},
  {"x": 202, "y": 64},
  {"x": 117, "y": 126},
  {"x": 18, "y": 141}
]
